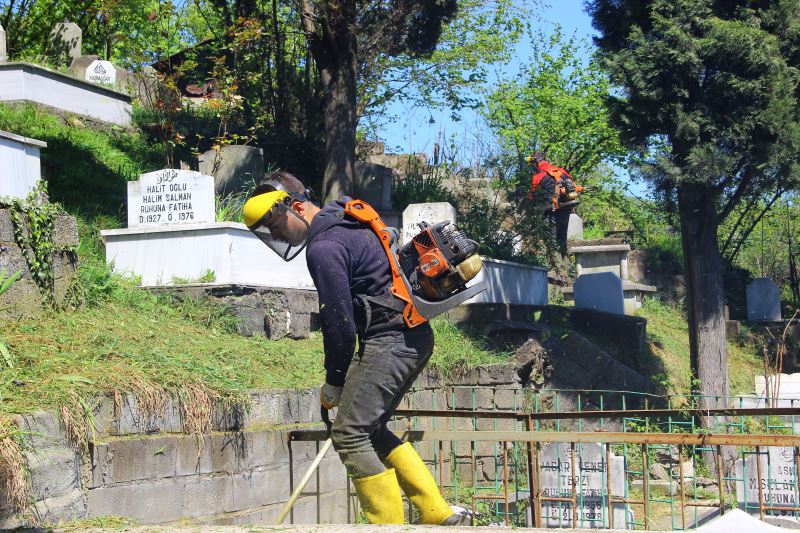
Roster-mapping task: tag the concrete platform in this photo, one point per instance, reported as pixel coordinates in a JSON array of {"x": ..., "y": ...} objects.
[{"x": 329, "y": 528}]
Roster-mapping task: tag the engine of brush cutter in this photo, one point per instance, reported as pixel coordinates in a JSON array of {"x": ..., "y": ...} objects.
[{"x": 439, "y": 261}]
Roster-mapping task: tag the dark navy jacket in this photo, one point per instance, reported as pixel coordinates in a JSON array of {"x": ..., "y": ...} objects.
[{"x": 346, "y": 260}]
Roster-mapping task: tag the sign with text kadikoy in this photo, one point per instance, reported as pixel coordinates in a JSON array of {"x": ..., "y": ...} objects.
[
  {"x": 170, "y": 196},
  {"x": 102, "y": 72},
  {"x": 589, "y": 476}
]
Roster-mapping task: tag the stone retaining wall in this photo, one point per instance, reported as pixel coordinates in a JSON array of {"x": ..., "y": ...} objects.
[
  {"x": 141, "y": 467},
  {"x": 145, "y": 467}
]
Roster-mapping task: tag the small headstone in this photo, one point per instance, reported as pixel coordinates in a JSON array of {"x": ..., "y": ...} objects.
[
  {"x": 431, "y": 213},
  {"x": 234, "y": 167},
  {"x": 601, "y": 291},
  {"x": 575, "y": 228},
  {"x": 590, "y": 477},
  {"x": 3, "y": 49},
  {"x": 66, "y": 41},
  {"x": 170, "y": 196},
  {"x": 101, "y": 72},
  {"x": 373, "y": 184},
  {"x": 778, "y": 479},
  {"x": 763, "y": 301}
]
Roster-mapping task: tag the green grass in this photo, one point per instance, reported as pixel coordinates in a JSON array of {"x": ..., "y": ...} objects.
[
  {"x": 668, "y": 340},
  {"x": 126, "y": 339},
  {"x": 87, "y": 166}
]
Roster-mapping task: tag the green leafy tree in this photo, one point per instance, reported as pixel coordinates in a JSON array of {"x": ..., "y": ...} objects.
[
  {"x": 340, "y": 35},
  {"x": 556, "y": 105},
  {"x": 715, "y": 85}
]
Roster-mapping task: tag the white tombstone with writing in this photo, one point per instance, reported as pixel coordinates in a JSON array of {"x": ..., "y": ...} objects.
[
  {"x": 778, "y": 480},
  {"x": 431, "y": 213},
  {"x": 102, "y": 72},
  {"x": 170, "y": 196},
  {"x": 590, "y": 475}
]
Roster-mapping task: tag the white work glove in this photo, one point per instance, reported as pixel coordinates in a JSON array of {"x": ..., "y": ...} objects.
[{"x": 329, "y": 396}]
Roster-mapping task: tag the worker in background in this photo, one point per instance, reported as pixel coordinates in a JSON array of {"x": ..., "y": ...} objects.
[
  {"x": 558, "y": 194},
  {"x": 351, "y": 272}
]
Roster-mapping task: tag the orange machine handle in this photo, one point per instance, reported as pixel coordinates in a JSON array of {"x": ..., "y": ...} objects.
[{"x": 363, "y": 212}]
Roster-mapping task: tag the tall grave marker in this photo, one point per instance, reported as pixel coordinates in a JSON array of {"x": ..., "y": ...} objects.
[
  {"x": 66, "y": 41},
  {"x": 170, "y": 196},
  {"x": 590, "y": 476}
]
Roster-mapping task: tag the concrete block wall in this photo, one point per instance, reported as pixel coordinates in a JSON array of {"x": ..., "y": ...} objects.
[{"x": 146, "y": 468}]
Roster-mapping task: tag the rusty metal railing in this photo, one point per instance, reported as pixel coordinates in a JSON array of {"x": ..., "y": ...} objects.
[{"x": 521, "y": 491}]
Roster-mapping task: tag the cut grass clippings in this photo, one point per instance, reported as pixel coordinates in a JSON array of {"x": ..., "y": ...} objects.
[{"x": 132, "y": 341}]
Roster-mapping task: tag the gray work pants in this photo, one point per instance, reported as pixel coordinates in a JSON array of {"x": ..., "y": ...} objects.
[{"x": 379, "y": 375}]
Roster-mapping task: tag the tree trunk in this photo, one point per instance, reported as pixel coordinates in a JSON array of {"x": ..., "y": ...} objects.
[
  {"x": 704, "y": 293},
  {"x": 340, "y": 129},
  {"x": 332, "y": 40},
  {"x": 705, "y": 303}
]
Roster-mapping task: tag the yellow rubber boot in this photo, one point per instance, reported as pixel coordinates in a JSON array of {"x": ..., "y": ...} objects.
[
  {"x": 380, "y": 498},
  {"x": 417, "y": 482}
]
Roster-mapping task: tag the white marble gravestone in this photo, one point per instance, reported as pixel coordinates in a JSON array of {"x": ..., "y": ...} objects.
[
  {"x": 778, "y": 480},
  {"x": 590, "y": 474},
  {"x": 102, "y": 72},
  {"x": 763, "y": 301},
  {"x": 170, "y": 196},
  {"x": 431, "y": 213},
  {"x": 601, "y": 291}
]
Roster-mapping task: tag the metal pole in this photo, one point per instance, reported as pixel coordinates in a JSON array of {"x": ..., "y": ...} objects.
[
  {"x": 682, "y": 491},
  {"x": 574, "y": 486},
  {"x": 646, "y": 486},
  {"x": 720, "y": 481},
  {"x": 531, "y": 498},
  {"x": 304, "y": 482},
  {"x": 505, "y": 477},
  {"x": 538, "y": 491},
  {"x": 760, "y": 489},
  {"x": 609, "y": 504}
]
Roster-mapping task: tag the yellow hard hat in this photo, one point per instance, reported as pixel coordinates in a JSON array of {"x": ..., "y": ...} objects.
[{"x": 257, "y": 207}]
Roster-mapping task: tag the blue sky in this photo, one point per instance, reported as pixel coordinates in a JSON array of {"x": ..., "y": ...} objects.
[{"x": 412, "y": 132}]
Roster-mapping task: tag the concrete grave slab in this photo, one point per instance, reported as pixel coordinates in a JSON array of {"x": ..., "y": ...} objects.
[
  {"x": 20, "y": 166},
  {"x": 601, "y": 291},
  {"x": 510, "y": 283},
  {"x": 169, "y": 255},
  {"x": 26, "y": 82},
  {"x": 763, "y": 301}
]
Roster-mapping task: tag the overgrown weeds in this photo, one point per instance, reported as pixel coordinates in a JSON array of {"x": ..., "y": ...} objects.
[{"x": 13, "y": 471}]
